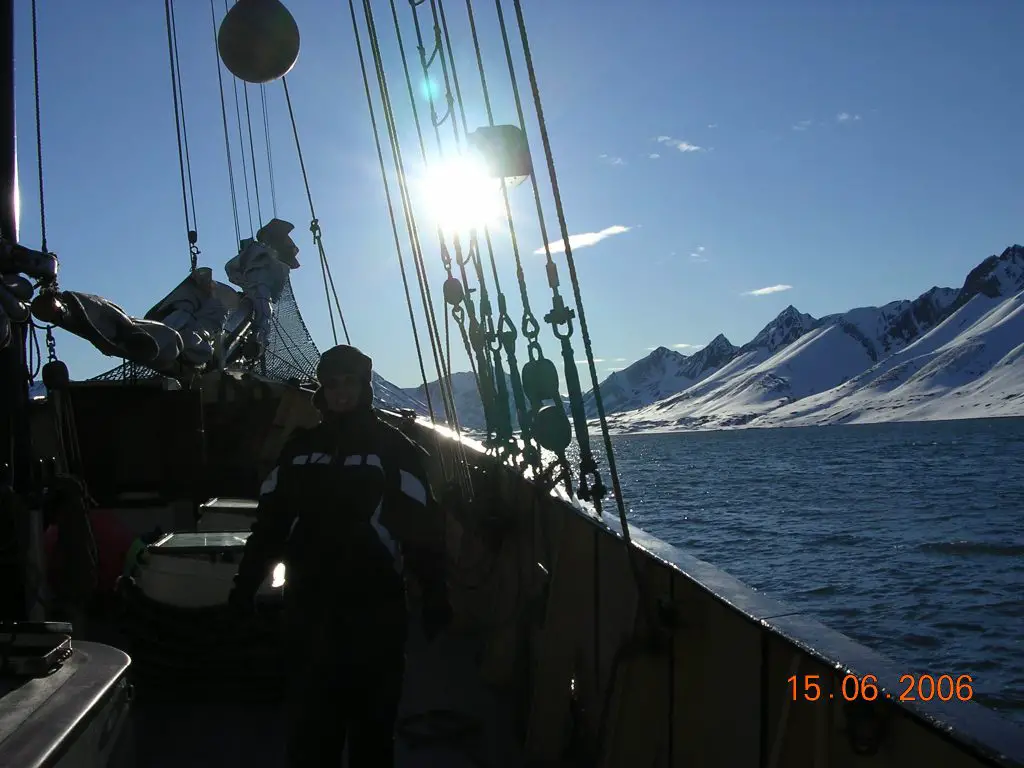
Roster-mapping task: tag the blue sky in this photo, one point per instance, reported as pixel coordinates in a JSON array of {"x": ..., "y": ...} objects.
[{"x": 854, "y": 152}]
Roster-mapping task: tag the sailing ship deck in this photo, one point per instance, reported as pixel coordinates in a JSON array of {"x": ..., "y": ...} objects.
[{"x": 440, "y": 676}]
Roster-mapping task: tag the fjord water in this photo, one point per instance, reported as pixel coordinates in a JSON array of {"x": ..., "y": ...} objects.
[{"x": 907, "y": 537}]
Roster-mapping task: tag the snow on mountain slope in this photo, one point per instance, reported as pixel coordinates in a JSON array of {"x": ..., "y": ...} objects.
[
  {"x": 883, "y": 330},
  {"x": 970, "y": 366},
  {"x": 757, "y": 382},
  {"x": 783, "y": 372},
  {"x": 657, "y": 376},
  {"x": 709, "y": 359},
  {"x": 742, "y": 385},
  {"x": 787, "y": 327},
  {"x": 946, "y": 354}
]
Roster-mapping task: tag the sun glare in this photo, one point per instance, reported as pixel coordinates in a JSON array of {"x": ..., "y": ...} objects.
[{"x": 461, "y": 195}]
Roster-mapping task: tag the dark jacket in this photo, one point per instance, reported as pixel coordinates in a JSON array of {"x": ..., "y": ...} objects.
[{"x": 348, "y": 509}]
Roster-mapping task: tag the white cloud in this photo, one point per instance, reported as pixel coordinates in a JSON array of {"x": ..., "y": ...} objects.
[
  {"x": 613, "y": 370},
  {"x": 698, "y": 258},
  {"x": 612, "y": 160},
  {"x": 596, "y": 360},
  {"x": 712, "y": 125},
  {"x": 802, "y": 125},
  {"x": 585, "y": 239},
  {"x": 767, "y": 290},
  {"x": 682, "y": 146},
  {"x": 654, "y": 156},
  {"x": 687, "y": 346},
  {"x": 700, "y": 249},
  {"x": 844, "y": 117},
  {"x": 619, "y": 360}
]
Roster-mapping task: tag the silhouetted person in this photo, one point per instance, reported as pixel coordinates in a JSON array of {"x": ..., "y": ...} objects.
[{"x": 347, "y": 508}]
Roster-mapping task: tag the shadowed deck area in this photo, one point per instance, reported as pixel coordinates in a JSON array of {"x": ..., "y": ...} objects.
[{"x": 476, "y": 729}]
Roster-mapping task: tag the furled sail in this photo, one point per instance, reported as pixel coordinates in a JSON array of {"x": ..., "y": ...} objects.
[{"x": 201, "y": 323}]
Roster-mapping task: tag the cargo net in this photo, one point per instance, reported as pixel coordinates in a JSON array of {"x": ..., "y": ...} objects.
[{"x": 291, "y": 353}]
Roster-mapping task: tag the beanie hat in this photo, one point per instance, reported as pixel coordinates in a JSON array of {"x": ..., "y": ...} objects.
[{"x": 345, "y": 360}]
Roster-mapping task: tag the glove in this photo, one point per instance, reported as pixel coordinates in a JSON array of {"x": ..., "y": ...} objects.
[
  {"x": 241, "y": 604},
  {"x": 436, "y": 616}
]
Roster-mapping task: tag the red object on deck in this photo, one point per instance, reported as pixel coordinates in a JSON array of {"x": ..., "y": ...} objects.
[{"x": 113, "y": 540}]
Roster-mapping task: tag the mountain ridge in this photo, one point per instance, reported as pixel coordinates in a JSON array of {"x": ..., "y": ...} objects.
[
  {"x": 815, "y": 356},
  {"x": 793, "y": 357}
]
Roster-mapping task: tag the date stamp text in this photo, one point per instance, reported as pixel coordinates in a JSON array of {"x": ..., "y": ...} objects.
[{"x": 865, "y": 688}]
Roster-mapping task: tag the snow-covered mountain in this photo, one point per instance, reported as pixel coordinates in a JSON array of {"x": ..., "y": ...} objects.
[
  {"x": 468, "y": 405},
  {"x": 796, "y": 367},
  {"x": 948, "y": 353},
  {"x": 970, "y": 365},
  {"x": 661, "y": 374}
]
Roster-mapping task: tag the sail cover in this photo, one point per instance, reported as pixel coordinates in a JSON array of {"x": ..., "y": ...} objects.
[{"x": 290, "y": 351}]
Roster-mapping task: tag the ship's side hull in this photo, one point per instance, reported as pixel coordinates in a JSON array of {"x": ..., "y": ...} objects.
[{"x": 708, "y": 679}]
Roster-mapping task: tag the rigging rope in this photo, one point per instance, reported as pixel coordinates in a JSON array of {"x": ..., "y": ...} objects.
[
  {"x": 474, "y": 339},
  {"x": 270, "y": 154},
  {"x": 252, "y": 155},
  {"x": 455, "y": 293},
  {"x": 502, "y": 336},
  {"x": 443, "y": 365},
  {"x": 574, "y": 278},
  {"x": 539, "y": 378},
  {"x": 587, "y": 463},
  {"x": 184, "y": 160},
  {"x": 39, "y": 127},
  {"x": 241, "y": 144},
  {"x": 314, "y": 227},
  {"x": 444, "y": 374},
  {"x": 497, "y": 390},
  {"x": 391, "y": 210},
  {"x": 224, "y": 120}
]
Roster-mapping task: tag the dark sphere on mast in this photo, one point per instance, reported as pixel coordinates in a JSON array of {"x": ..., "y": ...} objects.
[{"x": 258, "y": 40}]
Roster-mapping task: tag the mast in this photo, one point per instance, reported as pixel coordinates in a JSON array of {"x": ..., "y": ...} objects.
[{"x": 15, "y": 436}]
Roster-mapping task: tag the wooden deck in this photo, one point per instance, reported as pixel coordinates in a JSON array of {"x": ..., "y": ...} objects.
[{"x": 440, "y": 676}]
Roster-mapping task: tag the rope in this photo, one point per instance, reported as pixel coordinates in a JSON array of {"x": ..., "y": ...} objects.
[
  {"x": 443, "y": 372},
  {"x": 643, "y": 590},
  {"x": 483, "y": 381},
  {"x": 391, "y": 210},
  {"x": 315, "y": 227},
  {"x": 530, "y": 325},
  {"x": 252, "y": 155},
  {"x": 39, "y": 127},
  {"x": 224, "y": 120},
  {"x": 505, "y": 333},
  {"x": 184, "y": 123},
  {"x": 570, "y": 261},
  {"x": 270, "y": 154},
  {"x": 241, "y": 144},
  {"x": 179, "y": 126},
  {"x": 497, "y": 392},
  {"x": 464, "y": 478},
  {"x": 443, "y": 364}
]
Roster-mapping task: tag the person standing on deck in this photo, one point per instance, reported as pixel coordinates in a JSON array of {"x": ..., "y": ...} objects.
[{"x": 347, "y": 508}]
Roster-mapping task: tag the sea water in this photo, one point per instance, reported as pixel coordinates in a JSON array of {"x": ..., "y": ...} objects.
[{"x": 906, "y": 537}]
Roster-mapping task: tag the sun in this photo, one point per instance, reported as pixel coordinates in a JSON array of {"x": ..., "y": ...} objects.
[{"x": 461, "y": 195}]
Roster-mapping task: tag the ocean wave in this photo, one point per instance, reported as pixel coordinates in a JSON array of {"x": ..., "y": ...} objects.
[{"x": 972, "y": 548}]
